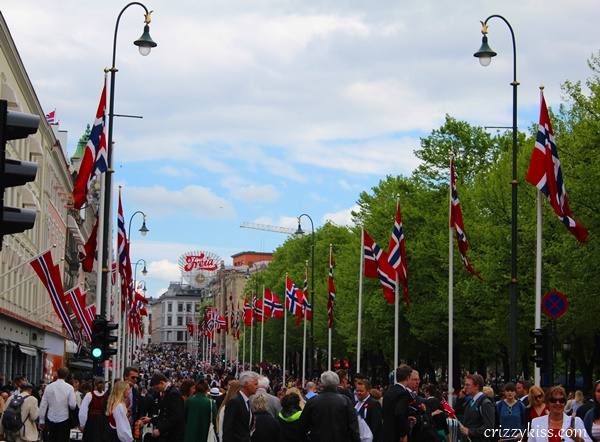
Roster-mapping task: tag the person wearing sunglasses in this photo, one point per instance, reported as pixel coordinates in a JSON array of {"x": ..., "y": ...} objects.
[
  {"x": 557, "y": 426},
  {"x": 537, "y": 405},
  {"x": 592, "y": 417}
]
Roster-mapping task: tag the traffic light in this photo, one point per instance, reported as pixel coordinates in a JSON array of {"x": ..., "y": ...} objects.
[
  {"x": 542, "y": 352},
  {"x": 14, "y": 173},
  {"x": 109, "y": 339},
  {"x": 97, "y": 344},
  {"x": 102, "y": 339}
]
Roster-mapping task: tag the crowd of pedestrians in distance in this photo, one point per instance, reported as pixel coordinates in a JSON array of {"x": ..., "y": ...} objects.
[{"x": 168, "y": 396}]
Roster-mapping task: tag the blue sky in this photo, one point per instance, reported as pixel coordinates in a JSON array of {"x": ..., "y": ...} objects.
[{"x": 260, "y": 110}]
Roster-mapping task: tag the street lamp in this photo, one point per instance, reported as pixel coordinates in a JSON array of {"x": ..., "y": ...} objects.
[
  {"x": 299, "y": 231},
  {"x": 485, "y": 54},
  {"x": 143, "y": 230},
  {"x": 144, "y": 44},
  {"x": 144, "y": 271}
]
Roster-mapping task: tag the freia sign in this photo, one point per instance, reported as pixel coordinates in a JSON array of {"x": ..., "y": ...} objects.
[{"x": 199, "y": 261}]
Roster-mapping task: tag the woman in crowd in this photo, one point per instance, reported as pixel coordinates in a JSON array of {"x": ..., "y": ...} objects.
[
  {"x": 592, "y": 417},
  {"x": 537, "y": 405},
  {"x": 232, "y": 391},
  {"x": 296, "y": 391},
  {"x": 289, "y": 418},
  {"x": 266, "y": 428},
  {"x": 200, "y": 411},
  {"x": 116, "y": 410},
  {"x": 92, "y": 413},
  {"x": 575, "y": 403},
  {"x": 557, "y": 426},
  {"x": 511, "y": 412}
]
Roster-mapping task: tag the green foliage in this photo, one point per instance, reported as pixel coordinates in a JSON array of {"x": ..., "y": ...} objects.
[{"x": 483, "y": 167}]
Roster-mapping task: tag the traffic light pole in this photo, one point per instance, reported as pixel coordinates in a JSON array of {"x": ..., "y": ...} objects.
[{"x": 3, "y": 115}]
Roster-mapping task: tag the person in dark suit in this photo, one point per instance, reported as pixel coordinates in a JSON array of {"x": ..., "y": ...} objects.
[
  {"x": 131, "y": 375},
  {"x": 395, "y": 407},
  {"x": 169, "y": 424},
  {"x": 522, "y": 391},
  {"x": 480, "y": 413},
  {"x": 238, "y": 420},
  {"x": 368, "y": 408},
  {"x": 330, "y": 416}
]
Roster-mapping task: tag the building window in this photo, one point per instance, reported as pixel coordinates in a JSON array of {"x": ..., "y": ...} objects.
[
  {"x": 168, "y": 336},
  {"x": 180, "y": 320},
  {"x": 188, "y": 307},
  {"x": 169, "y": 321},
  {"x": 179, "y": 336},
  {"x": 169, "y": 307},
  {"x": 180, "y": 307}
]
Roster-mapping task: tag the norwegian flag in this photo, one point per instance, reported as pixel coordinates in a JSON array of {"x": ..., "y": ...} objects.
[
  {"x": 49, "y": 274},
  {"x": 306, "y": 306},
  {"x": 221, "y": 323},
  {"x": 113, "y": 273},
  {"x": 331, "y": 290},
  {"x": 293, "y": 298},
  {"x": 248, "y": 314},
  {"x": 94, "y": 158},
  {"x": 124, "y": 261},
  {"x": 376, "y": 266},
  {"x": 235, "y": 324},
  {"x": 545, "y": 173},
  {"x": 397, "y": 252},
  {"x": 456, "y": 222},
  {"x": 90, "y": 312},
  {"x": 273, "y": 306},
  {"x": 51, "y": 118},
  {"x": 257, "y": 308},
  {"x": 77, "y": 301},
  {"x": 88, "y": 255},
  {"x": 190, "y": 327}
]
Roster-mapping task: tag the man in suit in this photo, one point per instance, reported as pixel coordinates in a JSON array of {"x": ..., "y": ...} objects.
[
  {"x": 396, "y": 407},
  {"x": 522, "y": 390},
  {"x": 480, "y": 412},
  {"x": 273, "y": 402},
  {"x": 169, "y": 425},
  {"x": 131, "y": 375},
  {"x": 237, "y": 420},
  {"x": 368, "y": 408},
  {"x": 330, "y": 416}
]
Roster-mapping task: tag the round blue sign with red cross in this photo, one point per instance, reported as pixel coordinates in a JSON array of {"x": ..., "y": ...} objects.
[{"x": 554, "y": 304}]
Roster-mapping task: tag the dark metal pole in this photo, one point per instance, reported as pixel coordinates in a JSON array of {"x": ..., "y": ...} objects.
[
  {"x": 514, "y": 288},
  {"x": 311, "y": 364},
  {"x": 109, "y": 172}
]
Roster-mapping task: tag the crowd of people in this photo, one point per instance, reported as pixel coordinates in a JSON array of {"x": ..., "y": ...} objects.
[{"x": 168, "y": 396}]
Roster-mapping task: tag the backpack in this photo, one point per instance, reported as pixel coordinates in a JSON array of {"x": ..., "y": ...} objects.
[{"x": 11, "y": 419}]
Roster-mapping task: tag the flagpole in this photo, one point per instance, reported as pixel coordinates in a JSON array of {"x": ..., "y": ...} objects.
[
  {"x": 109, "y": 249},
  {"x": 304, "y": 335},
  {"x": 100, "y": 246},
  {"x": 262, "y": 330},
  {"x": 360, "y": 290},
  {"x": 251, "y": 334},
  {"x": 329, "y": 329},
  {"x": 284, "y": 328},
  {"x": 24, "y": 263},
  {"x": 396, "y": 318},
  {"x": 450, "y": 301},
  {"x": 244, "y": 348},
  {"x": 538, "y": 278}
]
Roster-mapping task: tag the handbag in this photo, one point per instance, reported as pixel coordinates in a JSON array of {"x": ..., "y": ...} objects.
[{"x": 211, "y": 437}]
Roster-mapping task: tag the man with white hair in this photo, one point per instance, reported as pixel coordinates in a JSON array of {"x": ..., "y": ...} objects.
[
  {"x": 330, "y": 416},
  {"x": 238, "y": 419},
  {"x": 273, "y": 403}
]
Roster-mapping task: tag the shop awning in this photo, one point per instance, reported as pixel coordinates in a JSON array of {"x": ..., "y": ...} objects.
[{"x": 29, "y": 351}]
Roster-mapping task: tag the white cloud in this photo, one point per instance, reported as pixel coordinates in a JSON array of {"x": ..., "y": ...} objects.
[
  {"x": 195, "y": 201},
  {"x": 163, "y": 270},
  {"x": 176, "y": 172},
  {"x": 344, "y": 184},
  {"x": 342, "y": 217},
  {"x": 250, "y": 192}
]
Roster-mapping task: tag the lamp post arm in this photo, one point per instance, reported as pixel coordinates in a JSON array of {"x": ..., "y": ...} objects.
[
  {"x": 129, "y": 225},
  {"x": 514, "y": 44},
  {"x": 114, "y": 55}
]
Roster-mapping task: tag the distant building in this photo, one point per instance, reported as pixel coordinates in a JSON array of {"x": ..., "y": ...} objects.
[
  {"x": 249, "y": 259},
  {"x": 172, "y": 310}
]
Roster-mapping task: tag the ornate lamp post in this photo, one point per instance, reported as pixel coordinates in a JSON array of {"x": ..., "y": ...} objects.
[
  {"x": 485, "y": 54},
  {"x": 299, "y": 231}
]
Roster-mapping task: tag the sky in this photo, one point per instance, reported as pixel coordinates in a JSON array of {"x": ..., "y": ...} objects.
[{"x": 260, "y": 110}]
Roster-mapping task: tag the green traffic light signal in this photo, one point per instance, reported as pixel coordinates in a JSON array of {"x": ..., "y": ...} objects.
[{"x": 96, "y": 353}]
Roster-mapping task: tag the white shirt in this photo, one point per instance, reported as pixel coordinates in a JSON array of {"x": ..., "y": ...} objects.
[
  {"x": 57, "y": 399},
  {"x": 359, "y": 405},
  {"x": 123, "y": 427},
  {"x": 540, "y": 425}
]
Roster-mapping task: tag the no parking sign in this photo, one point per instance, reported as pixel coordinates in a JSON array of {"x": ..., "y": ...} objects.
[{"x": 555, "y": 304}]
